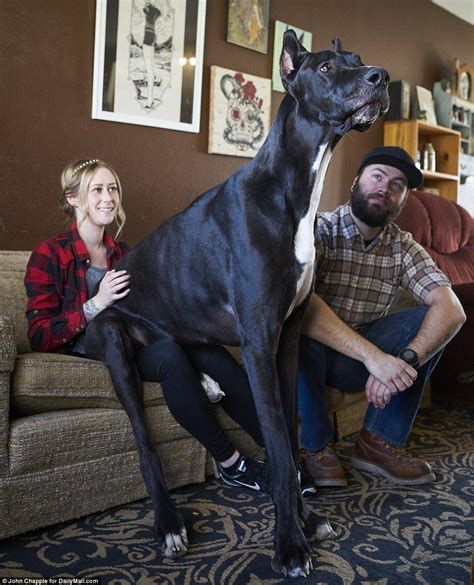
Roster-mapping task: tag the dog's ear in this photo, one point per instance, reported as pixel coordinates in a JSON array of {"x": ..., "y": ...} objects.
[
  {"x": 292, "y": 53},
  {"x": 336, "y": 43}
]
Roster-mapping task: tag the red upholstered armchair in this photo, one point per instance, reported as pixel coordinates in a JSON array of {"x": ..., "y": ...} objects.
[{"x": 446, "y": 231}]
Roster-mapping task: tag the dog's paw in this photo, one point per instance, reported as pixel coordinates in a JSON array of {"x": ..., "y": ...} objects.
[
  {"x": 324, "y": 531},
  {"x": 293, "y": 570},
  {"x": 293, "y": 557},
  {"x": 175, "y": 545}
]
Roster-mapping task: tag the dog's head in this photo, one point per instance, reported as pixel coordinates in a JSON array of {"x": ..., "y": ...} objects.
[{"x": 334, "y": 85}]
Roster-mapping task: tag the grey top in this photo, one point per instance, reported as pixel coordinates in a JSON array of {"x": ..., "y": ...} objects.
[{"x": 93, "y": 276}]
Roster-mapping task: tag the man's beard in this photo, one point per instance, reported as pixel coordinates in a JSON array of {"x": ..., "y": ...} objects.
[{"x": 372, "y": 215}]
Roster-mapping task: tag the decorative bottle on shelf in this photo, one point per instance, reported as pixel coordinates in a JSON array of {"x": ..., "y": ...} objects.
[
  {"x": 418, "y": 159},
  {"x": 428, "y": 161}
]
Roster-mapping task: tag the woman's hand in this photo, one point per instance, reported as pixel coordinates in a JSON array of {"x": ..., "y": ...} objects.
[{"x": 113, "y": 286}]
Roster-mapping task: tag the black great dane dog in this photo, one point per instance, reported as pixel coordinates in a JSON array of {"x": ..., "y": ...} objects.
[{"x": 236, "y": 268}]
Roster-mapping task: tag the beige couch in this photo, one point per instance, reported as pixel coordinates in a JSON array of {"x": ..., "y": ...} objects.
[{"x": 66, "y": 446}]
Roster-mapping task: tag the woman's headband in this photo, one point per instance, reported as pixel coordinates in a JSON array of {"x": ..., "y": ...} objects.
[{"x": 83, "y": 166}]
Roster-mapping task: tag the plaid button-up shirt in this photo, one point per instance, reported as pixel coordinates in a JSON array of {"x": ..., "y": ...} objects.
[
  {"x": 359, "y": 282},
  {"x": 55, "y": 282}
]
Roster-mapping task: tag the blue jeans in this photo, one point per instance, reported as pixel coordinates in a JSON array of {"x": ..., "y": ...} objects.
[{"x": 320, "y": 365}]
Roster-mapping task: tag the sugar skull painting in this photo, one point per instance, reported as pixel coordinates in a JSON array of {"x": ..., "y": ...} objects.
[{"x": 239, "y": 112}]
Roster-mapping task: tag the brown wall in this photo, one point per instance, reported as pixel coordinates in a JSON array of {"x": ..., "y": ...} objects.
[{"x": 46, "y": 84}]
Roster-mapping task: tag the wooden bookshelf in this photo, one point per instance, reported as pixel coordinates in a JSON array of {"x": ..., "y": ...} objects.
[{"x": 412, "y": 135}]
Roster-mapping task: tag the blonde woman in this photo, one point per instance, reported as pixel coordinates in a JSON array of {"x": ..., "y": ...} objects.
[{"x": 63, "y": 271}]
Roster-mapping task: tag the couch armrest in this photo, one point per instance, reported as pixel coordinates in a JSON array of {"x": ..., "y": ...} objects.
[
  {"x": 4, "y": 422},
  {"x": 7, "y": 345},
  {"x": 7, "y": 364}
]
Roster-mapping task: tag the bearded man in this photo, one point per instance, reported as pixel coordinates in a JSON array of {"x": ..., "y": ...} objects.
[{"x": 348, "y": 340}]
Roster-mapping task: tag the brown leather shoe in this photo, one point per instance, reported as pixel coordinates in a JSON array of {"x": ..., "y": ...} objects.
[
  {"x": 324, "y": 467},
  {"x": 372, "y": 453}
]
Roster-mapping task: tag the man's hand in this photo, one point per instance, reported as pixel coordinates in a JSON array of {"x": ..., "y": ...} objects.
[
  {"x": 377, "y": 393},
  {"x": 389, "y": 375}
]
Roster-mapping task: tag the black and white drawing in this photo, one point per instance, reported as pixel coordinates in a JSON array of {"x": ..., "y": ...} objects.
[{"x": 148, "y": 62}]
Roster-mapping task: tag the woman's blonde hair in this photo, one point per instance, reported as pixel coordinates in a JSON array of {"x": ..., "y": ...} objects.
[{"x": 75, "y": 181}]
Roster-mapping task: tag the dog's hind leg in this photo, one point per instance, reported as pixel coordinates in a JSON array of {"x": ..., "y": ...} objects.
[{"x": 107, "y": 340}]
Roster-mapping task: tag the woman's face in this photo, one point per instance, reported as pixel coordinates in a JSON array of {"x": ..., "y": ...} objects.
[{"x": 102, "y": 198}]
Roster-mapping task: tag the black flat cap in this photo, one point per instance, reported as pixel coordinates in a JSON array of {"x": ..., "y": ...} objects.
[{"x": 394, "y": 156}]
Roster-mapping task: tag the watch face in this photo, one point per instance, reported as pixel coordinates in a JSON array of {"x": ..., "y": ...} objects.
[{"x": 409, "y": 356}]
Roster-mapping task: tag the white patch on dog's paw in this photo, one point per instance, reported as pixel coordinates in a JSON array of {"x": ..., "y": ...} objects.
[
  {"x": 212, "y": 388},
  {"x": 175, "y": 545},
  {"x": 299, "y": 572},
  {"x": 324, "y": 531}
]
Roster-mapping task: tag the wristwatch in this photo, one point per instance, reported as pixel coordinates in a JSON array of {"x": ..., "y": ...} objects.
[{"x": 409, "y": 356}]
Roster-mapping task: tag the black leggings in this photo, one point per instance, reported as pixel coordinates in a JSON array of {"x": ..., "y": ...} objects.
[{"x": 178, "y": 370}]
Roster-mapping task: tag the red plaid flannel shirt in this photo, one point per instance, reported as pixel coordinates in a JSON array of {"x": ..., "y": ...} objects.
[{"x": 55, "y": 282}]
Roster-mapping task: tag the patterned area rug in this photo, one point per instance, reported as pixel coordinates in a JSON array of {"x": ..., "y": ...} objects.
[{"x": 385, "y": 534}]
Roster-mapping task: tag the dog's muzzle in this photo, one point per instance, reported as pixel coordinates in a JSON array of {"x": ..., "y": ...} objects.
[{"x": 374, "y": 88}]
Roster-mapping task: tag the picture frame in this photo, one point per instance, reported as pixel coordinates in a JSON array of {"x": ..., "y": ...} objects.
[
  {"x": 399, "y": 94},
  {"x": 239, "y": 112},
  {"x": 425, "y": 105},
  {"x": 463, "y": 81},
  {"x": 136, "y": 40},
  {"x": 247, "y": 24},
  {"x": 305, "y": 38}
]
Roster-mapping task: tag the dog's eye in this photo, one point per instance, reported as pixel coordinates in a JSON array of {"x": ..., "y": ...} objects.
[{"x": 325, "y": 67}]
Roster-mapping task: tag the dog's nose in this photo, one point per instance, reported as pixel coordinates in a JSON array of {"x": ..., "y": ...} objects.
[{"x": 377, "y": 77}]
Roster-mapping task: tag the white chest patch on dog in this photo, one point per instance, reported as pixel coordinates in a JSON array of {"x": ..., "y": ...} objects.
[{"x": 304, "y": 238}]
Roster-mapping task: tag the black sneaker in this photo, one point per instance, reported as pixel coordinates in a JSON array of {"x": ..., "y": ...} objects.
[{"x": 248, "y": 473}]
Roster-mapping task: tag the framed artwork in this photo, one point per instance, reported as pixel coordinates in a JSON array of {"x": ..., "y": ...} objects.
[
  {"x": 239, "y": 118},
  {"x": 463, "y": 81},
  {"x": 305, "y": 38},
  {"x": 426, "y": 107},
  {"x": 247, "y": 24},
  {"x": 148, "y": 62}
]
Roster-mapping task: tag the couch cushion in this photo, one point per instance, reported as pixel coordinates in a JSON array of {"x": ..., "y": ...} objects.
[
  {"x": 54, "y": 439},
  {"x": 43, "y": 382}
]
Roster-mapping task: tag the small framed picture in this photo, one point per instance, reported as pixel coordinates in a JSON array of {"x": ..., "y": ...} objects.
[
  {"x": 239, "y": 118},
  {"x": 148, "y": 62},
  {"x": 465, "y": 85},
  {"x": 305, "y": 38},
  {"x": 425, "y": 103},
  {"x": 463, "y": 81},
  {"x": 247, "y": 24}
]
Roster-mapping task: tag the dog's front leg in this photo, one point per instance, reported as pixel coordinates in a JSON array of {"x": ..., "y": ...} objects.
[
  {"x": 258, "y": 348},
  {"x": 287, "y": 368}
]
